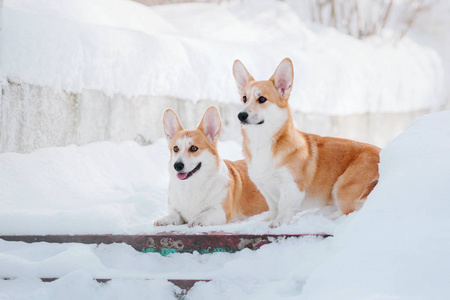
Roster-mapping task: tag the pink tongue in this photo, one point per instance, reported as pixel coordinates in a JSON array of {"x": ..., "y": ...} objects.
[{"x": 182, "y": 175}]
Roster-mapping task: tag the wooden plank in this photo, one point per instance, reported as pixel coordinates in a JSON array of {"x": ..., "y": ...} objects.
[{"x": 166, "y": 243}]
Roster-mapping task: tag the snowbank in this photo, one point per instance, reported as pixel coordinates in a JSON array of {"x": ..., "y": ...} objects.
[
  {"x": 121, "y": 47},
  {"x": 433, "y": 27},
  {"x": 397, "y": 246},
  {"x": 267, "y": 273},
  {"x": 95, "y": 70}
]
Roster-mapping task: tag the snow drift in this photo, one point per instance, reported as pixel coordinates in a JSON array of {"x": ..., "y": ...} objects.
[
  {"x": 396, "y": 247},
  {"x": 86, "y": 71},
  {"x": 121, "y": 47}
]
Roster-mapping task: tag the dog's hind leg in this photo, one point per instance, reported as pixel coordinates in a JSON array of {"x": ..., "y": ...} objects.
[{"x": 354, "y": 185}]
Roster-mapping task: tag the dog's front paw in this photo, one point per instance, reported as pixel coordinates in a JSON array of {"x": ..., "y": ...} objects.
[
  {"x": 277, "y": 223},
  {"x": 195, "y": 222},
  {"x": 163, "y": 223},
  {"x": 270, "y": 216},
  {"x": 167, "y": 220}
]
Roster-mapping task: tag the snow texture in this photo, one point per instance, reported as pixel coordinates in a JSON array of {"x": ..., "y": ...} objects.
[
  {"x": 122, "y": 47},
  {"x": 107, "y": 57},
  {"x": 94, "y": 70},
  {"x": 76, "y": 72},
  {"x": 396, "y": 247}
]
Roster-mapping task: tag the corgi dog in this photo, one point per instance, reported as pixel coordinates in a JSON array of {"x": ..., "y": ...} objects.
[
  {"x": 292, "y": 169},
  {"x": 203, "y": 188}
]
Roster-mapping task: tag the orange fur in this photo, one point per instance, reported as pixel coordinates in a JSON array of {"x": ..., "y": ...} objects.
[
  {"x": 328, "y": 168},
  {"x": 245, "y": 150},
  {"x": 243, "y": 199},
  {"x": 325, "y": 168}
]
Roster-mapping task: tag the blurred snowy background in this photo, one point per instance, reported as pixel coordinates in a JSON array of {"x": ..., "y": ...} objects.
[
  {"x": 76, "y": 72},
  {"x": 84, "y": 84}
]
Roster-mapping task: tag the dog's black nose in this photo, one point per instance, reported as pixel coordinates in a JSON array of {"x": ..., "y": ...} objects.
[
  {"x": 178, "y": 166},
  {"x": 242, "y": 116}
]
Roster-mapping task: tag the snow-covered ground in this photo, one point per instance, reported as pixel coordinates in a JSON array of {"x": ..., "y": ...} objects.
[
  {"x": 396, "y": 247},
  {"x": 91, "y": 70}
]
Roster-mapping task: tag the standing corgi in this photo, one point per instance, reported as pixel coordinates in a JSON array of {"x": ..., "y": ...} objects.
[
  {"x": 292, "y": 169},
  {"x": 204, "y": 189}
]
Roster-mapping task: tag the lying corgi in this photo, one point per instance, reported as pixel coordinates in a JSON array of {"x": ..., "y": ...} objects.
[
  {"x": 204, "y": 189},
  {"x": 292, "y": 169}
]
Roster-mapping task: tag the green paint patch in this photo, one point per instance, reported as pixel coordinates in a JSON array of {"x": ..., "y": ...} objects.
[{"x": 167, "y": 251}]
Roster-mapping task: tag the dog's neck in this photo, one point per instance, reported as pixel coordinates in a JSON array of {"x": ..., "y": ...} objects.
[{"x": 257, "y": 137}]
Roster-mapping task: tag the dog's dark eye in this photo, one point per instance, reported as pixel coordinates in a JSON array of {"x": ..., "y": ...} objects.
[
  {"x": 244, "y": 99},
  {"x": 193, "y": 148},
  {"x": 176, "y": 149},
  {"x": 261, "y": 100}
]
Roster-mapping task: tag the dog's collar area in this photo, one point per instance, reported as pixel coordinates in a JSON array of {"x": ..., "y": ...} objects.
[{"x": 184, "y": 176}]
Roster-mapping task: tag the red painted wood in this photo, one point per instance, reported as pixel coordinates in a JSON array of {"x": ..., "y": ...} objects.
[
  {"x": 186, "y": 284},
  {"x": 51, "y": 279},
  {"x": 213, "y": 241}
]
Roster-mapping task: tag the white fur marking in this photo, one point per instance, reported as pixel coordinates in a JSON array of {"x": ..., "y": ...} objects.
[
  {"x": 276, "y": 184},
  {"x": 197, "y": 200}
]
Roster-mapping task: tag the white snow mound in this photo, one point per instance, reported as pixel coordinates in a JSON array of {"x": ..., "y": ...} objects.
[
  {"x": 397, "y": 246},
  {"x": 187, "y": 50}
]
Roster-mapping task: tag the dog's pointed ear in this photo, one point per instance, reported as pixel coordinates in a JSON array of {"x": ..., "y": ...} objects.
[
  {"x": 211, "y": 124},
  {"x": 171, "y": 124},
  {"x": 283, "y": 78},
  {"x": 241, "y": 75}
]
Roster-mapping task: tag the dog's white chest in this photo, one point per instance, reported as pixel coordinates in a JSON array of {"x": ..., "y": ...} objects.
[
  {"x": 262, "y": 170},
  {"x": 190, "y": 199}
]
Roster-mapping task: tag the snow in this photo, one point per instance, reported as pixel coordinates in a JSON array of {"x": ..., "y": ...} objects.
[
  {"x": 396, "y": 247},
  {"x": 95, "y": 59},
  {"x": 434, "y": 24},
  {"x": 122, "y": 47},
  {"x": 234, "y": 275},
  {"x": 77, "y": 72}
]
